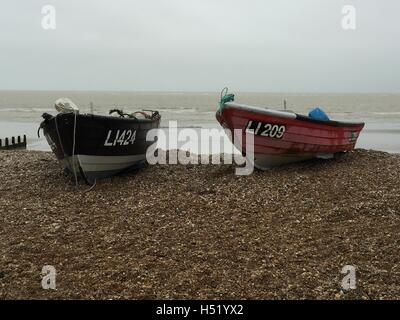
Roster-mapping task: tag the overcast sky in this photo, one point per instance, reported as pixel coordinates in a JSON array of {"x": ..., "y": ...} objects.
[{"x": 201, "y": 45}]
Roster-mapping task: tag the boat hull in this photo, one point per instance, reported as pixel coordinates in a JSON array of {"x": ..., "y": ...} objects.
[
  {"x": 97, "y": 167},
  {"x": 282, "y": 137},
  {"x": 102, "y": 147}
]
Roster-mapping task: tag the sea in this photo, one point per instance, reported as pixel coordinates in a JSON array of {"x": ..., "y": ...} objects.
[{"x": 20, "y": 111}]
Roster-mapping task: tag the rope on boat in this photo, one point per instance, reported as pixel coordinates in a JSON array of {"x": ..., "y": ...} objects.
[
  {"x": 80, "y": 168},
  {"x": 91, "y": 187},
  {"x": 122, "y": 114},
  {"x": 225, "y": 98},
  {"x": 59, "y": 137},
  {"x": 73, "y": 153},
  {"x": 48, "y": 117},
  {"x": 73, "y": 148}
]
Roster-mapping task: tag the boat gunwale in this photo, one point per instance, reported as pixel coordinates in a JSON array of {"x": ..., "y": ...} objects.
[
  {"x": 291, "y": 115},
  {"x": 103, "y": 117}
]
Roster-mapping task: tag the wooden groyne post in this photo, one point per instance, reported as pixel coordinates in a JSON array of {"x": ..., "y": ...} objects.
[{"x": 19, "y": 143}]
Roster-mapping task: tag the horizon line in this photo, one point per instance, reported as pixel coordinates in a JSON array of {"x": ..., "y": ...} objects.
[{"x": 200, "y": 91}]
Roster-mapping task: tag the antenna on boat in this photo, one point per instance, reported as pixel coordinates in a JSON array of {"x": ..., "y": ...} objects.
[
  {"x": 91, "y": 107},
  {"x": 284, "y": 104}
]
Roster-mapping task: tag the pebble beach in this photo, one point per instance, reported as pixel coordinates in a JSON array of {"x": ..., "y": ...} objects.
[{"x": 201, "y": 232}]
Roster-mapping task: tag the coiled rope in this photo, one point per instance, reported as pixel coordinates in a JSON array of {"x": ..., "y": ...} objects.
[{"x": 225, "y": 98}]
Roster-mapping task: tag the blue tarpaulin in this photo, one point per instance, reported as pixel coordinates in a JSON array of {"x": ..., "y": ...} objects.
[{"x": 318, "y": 114}]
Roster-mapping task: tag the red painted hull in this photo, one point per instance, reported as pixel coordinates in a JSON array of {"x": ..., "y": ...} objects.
[{"x": 300, "y": 138}]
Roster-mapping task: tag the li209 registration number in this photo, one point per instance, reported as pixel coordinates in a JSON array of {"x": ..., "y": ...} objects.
[{"x": 266, "y": 129}]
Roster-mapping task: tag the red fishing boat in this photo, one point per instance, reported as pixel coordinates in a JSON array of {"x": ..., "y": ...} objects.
[{"x": 282, "y": 137}]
